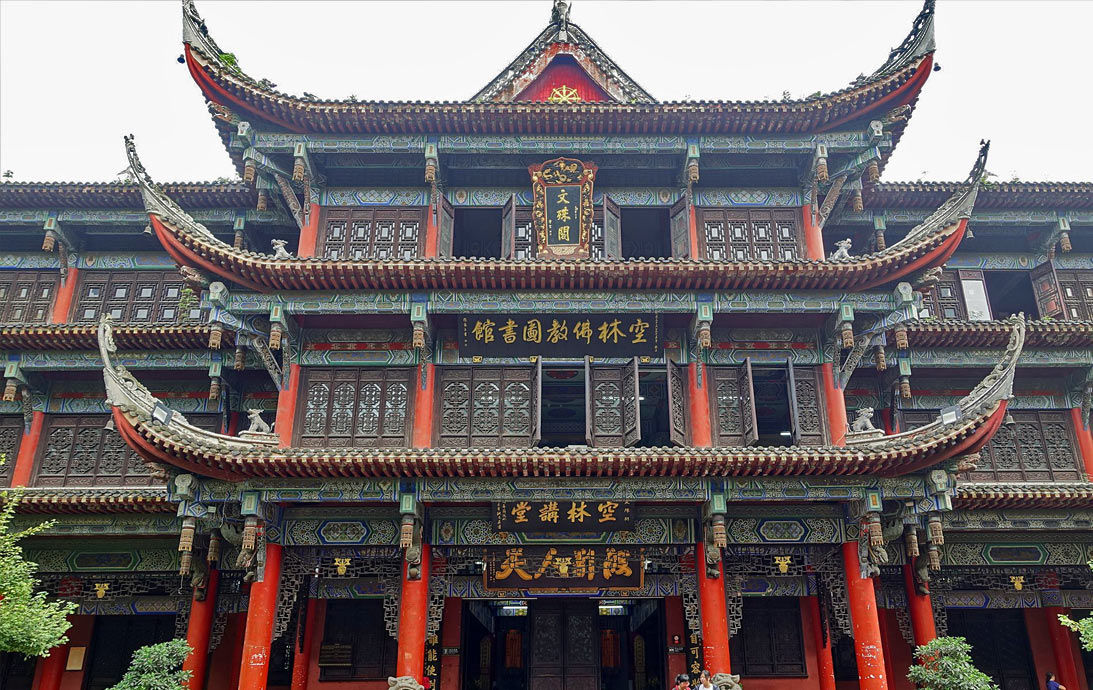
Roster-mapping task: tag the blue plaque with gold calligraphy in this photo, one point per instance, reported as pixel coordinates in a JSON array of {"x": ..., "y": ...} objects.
[
  {"x": 561, "y": 212},
  {"x": 563, "y": 335}
]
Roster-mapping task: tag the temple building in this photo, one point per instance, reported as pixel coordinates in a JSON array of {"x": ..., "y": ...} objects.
[{"x": 560, "y": 387}]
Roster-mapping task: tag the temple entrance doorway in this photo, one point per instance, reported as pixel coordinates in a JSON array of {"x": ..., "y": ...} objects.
[
  {"x": 1000, "y": 646},
  {"x": 114, "y": 640},
  {"x": 564, "y": 643}
]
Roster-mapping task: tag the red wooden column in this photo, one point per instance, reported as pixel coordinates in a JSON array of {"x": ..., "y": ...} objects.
[
  {"x": 451, "y": 637},
  {"x": 286, "y": 407},
  {"x": 51, "y": 668},
  {"x": 866, "y": 623},
  {"x": 814, "y": 239},
  {"x": 66, "y": 292},
  {"x": 1085, "y": 442},
  {"x": 835, "y": 404},
  {"x": 1062, "y": 647},
  {"x": 715, "y": 617},
  {"x": 23, "y": 469},
  {"x": 262, "y": 609},
  {"x": 413, "y": 616},
  {"x": 198, "y": 631},
  {"x": 309, "y": 234},
  {"x": 698, "y": 397},
  {"x": 301, "y": 654},
  {"x": 424, "y": 389},
  {"x": 920, "y": 608},
  {"x": 825, "y": 663}
]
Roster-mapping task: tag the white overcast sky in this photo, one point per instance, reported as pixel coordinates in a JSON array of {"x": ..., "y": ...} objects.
[{"x": 76, "y": 76}]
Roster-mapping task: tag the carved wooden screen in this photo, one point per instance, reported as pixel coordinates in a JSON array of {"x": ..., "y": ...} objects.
[
  {"x": 373, "y": 232},
  {"x": 356, "y": 645},
  {"x": 445, "y": 236},
  {"x": 770, "y": 642},
  {"x": 133, "y": 297},
  {"x": 805, "y": 405},
  {"x": 354, "y": 407},
  {"x": 489, "y": 407},
  {"x": 27, "y": 297},
  {"x": 612, "y": 417},
  {"x": 679, "y": 224},
  {"x": 1077, "y": 289},
  {"x": 11, "y": 433},
  {"x": 730, "y": 234},
  {"x": 678, "y": 404},
  {"x": 1045, "y": 287},
  {"x": 1039, "y": 446},
  {"x": 732, "y": 405},
  {"x": 508, "y": 229},
  {"x": 612, "y": 229},
  {"x": 945, "y": 301},
  {"x": 524, "y": 243}
]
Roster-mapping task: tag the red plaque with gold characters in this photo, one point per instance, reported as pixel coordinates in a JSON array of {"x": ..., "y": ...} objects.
[{"x": 561, "y": 213}]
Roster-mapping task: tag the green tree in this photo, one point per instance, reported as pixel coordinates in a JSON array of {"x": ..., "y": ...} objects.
[
  {"x": 30, "y": 624},
  {"x": 157, "y": 667},
  {"x": 1084, "y": 627},
  {"x": 946, "y": 664}
]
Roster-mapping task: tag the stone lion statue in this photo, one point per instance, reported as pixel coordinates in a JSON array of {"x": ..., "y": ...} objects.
[
  {"x": 257, "y": 424},
  {"x": 724, "y": 681},
  {"x": 843, "y": 251},
  {"x": 279, "y": 251},
  {"x": 864, "y": 420},
  {"x": 404, "y": 683}
]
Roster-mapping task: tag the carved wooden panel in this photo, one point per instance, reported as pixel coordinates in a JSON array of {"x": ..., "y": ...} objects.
[
  {"x": 373, "y": 232},
  {"x": 612, "y": 418},
  {"x": 565, "y": 643},
  {"x": 1045, "y": 288},
  {"x": 1077, "y": 291},
  {"x": 11, "y": 433},
  {"x": 445, "y": 239},
  {"x": 524, "y": 242},
  {"x": 770, "y": 641},
  {"x": 732, "y": 405},
  {"x": 806, "y": 406},
  {"x": 1039, "y": 446},
  {"x": 27, "y": 297},
  {"x": 352, "y": 407},
  {"x": 133, "y": 297},
  {"x": 945, "y": 301},
  {"x": 677, "y": 404},
  {"x": 679, "y": 222},
  {"x": 354, "y": 628},
  {"x": 487, "y": 407},
  {"x": 612, "y": 229},
  {"x": 733, "y": 234}
]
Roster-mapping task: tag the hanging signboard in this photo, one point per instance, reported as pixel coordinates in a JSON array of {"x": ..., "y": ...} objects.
[
  {"x": 572, "y": 336},
  {"x": 564, "y": 568},
  {"x": 564, "y": 516},
  {"x": 561, "y": 211}
]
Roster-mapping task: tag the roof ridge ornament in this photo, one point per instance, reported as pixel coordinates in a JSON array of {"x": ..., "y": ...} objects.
[
  {"x": 919, "y": 42},
  {"x": 559, "y": 16},
  {"x": 156, "y": 201}
]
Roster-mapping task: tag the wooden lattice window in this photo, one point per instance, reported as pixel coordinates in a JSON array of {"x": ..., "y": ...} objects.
[
  {"x": 1039, "y": 446},
  {"x": 489, "y": 407},
  {"x": 732, "y": 405},
  {"x": 356, "y": 645},
  {"x": 134, "y": 297},
  {"x": 353, "y": 407},
  {"x": 945, "y": 300},
  {"x": 373, "y": 232},
  {"x": 524, "y": 244},
  {"x": 27, "y": 297},
  {"x": 11, "y": 433},
  {"x": 79, "y": 450},
  {"x": 733, "y": 402},
  {"x": 612, "y": 412},
  {"x": 731, "y": 234},
  {"x": 1077, "y": 291},
  {"x": 770, "y": 642}
]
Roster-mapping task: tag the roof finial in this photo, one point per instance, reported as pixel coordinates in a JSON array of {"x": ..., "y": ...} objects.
[{"x": 560, "y": 17}]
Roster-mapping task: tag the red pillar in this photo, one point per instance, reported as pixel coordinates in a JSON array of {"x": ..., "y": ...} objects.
[
  {"x": 699, "y": 402},
  {"x": 451, "y": 637},
  {"x": 1085, "y": 443},
  {"x": 920, "y": 608},
  {"x": 423, "y": 405},
  {"x": 432, "y": 228},
  {"x": 198, "y": 631},
  {"x": 1062, "y": 647},
  {"x": 309, "y": 234},
  {"x": 825, "y": 664},
  {"x": 676, "y": 628},
  {"x": 412, "y": 617},
  {"x": 692, "y": 234},
  {"x": 260, "y": 615},
  {"x": 23, "y": 469},
  {"x": 863, "y": 616},
  {"x": 66, "y": 291},
  {"x": 52, "y": 668},
  {"x": 286, "y": 406},
  {"x": 715, "y": 618},
  {"x": 814, "y": 239},
  {"x": 835, "y": 404},
  {"x": 301, "y": 654}
]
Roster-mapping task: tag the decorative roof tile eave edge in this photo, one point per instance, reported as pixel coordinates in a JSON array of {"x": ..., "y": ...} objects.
[
  {"x": 119, "y": 194},
  {"x": 927, "y": 245},
  {"x": 92, "y": 500},
  {"x": 954, "y": 332},
  {"x": 84, "y": 336},
  {"x": 902, "y": 62},
  {"x": 1017, "y": 495}
]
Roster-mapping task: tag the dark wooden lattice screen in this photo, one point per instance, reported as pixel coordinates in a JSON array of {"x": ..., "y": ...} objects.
[
  {"x": 489, "y": 407},
  {"x": 27, "y": 297},
  {"x": 770, "y": 641},
  {"x": 353, "y": 407},
  {"x": 1039, "y": 446},
  {"x": 1077, "y": 289},
  {"x": 1045, "y": 288},
  {"x": 612, "y": 418},
  {"x": 356, "y": 645},
  {"x": 678, "y": 429},
  {"x": 732, "y": 405},
  {"x": 78, "y": 450},
  {"x": 133, "y": 297},
  {"x": 945, "y": 301},
  {"x": 524, "y": 243},
  {"x": 730, "y": 234},
  {"x": 11, "y": 433},
  {"x": 806, "y": 405},
  {"x": 373, "y": 232}
]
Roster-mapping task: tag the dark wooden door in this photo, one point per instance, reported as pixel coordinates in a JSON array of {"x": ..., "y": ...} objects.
[
  {"x": 999, "y": 643},
  {"x": 564, "y": 645},
  {"x": 115, "y": 638}
]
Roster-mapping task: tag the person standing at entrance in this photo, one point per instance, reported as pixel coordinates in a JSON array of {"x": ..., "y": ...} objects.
[
  {"x": 705, "y": 681},
  {"x": 683, "y": 682},
  {"x": 1051, "y": 683}
]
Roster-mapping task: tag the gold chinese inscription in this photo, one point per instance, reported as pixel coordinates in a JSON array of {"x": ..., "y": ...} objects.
[
  {"x": 595, "y": 335},
  {"x": 561, "y": 210},
  {"x": 563, "y": 516},
  {"x": 565, "y": 567}
]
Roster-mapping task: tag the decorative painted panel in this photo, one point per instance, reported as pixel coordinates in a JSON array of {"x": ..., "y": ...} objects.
[
  {"x": 26, "y": 298},
  {"x": 747, "y": 235},
  {"x": 487, "y": 407},
  {"x": 11, "y": 434},
  {"x": 373, "y": 233},
  {"x": 1077, "y": 291},
  {"x": 356, "y": 407},
  {"x": 150, "y": 297},
  {"x": 1038, "y": 446}
]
